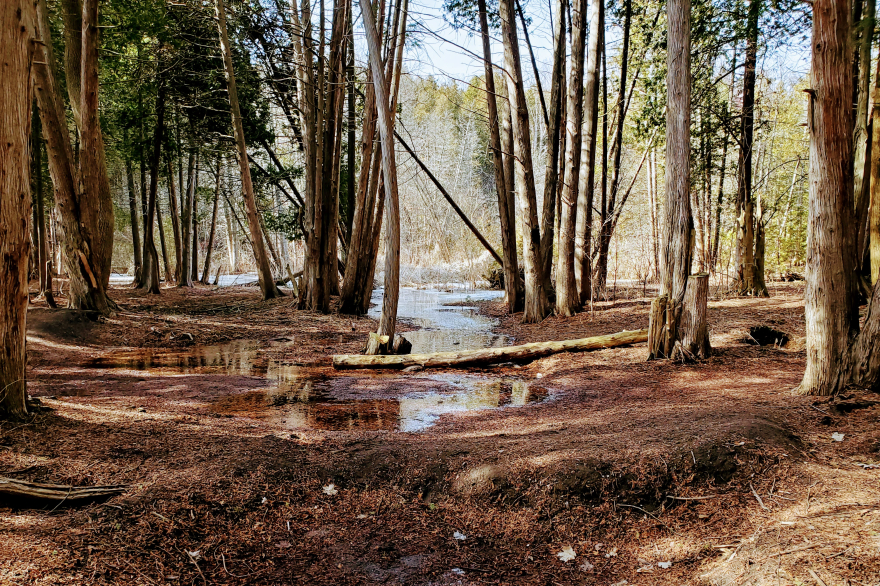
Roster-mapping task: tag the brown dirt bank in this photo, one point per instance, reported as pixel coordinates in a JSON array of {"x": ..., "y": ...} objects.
[{"x": 600, "y": 467}]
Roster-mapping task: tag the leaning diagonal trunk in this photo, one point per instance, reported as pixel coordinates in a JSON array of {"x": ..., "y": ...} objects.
[
  {"x": 536, "y": 306},
  {"x": 567, "y": 297},
  {"x": 17, "y": 49},
  {"x": 586, "y": 179},
  {"x": 264, "y": 272},
  {"x": 508, "y": 232},
  {"x": 388, "y": 319}
]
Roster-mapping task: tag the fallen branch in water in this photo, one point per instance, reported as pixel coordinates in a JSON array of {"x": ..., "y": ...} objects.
[{"x": 491, "y": 355}]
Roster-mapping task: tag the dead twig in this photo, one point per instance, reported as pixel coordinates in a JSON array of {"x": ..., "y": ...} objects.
[
  {"x": 192, "y": 558},
  {"x": 816, "y": 577},
  {"x": 794, "y": 550},
  {"x": 760, "y": 502}
]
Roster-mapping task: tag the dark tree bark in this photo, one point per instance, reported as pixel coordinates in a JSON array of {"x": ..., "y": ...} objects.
[
  {"x": 536, "y": 306},
  {"x": 17, "y": 49},
  {"x": 554, "y": 139},
  {"x": 184, "y": 277},
  {"x": 508, "y": 229},
  {"x": 747, "y": 280},
  {"x": 93, "y": 168},
  {"x": 608, "y": 203},
  {"x": 587, "y": 178},
  {"x": 567, "y": 295},
  {"x": 264, "y": 272},
  {"x": 175, "y": 218},
  {"x": 151, "y": 280},
  {"x": 133, "y": 210},
  {"x": 41, "y": 252},
  {"x": 71, "y": 16},
  {"x": 160, "y": 226},
  {"x": 206, "y": 271}
]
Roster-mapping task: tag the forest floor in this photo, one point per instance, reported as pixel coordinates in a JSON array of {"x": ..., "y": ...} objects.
[{"x": 249, "y": 460}]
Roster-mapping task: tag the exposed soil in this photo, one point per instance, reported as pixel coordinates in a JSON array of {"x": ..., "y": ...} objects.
[{"x": 646, "y": 472}]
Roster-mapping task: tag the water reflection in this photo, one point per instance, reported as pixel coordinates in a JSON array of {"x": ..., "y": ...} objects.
[
  {"x": 444, "y": 327},
  {"x": 305, "y": 402}
]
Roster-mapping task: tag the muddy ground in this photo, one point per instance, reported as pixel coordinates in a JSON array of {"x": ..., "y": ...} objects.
[{"x": 617, "y": 471}]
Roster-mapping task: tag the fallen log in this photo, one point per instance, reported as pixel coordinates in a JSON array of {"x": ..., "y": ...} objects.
[
  {"x": 20, "y": 489},
  {"x": 490, "y": 355}
]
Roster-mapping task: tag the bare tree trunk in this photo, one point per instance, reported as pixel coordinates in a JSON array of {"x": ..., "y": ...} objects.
[
  {"x": 41, "y": 250},
  {"x": 694, "y": 329},
  {"x": 676, "y": 250},
  {"x": 194, "y": 217},
  {"x": 745, "y": 240},
  {"x": 862, "y": 136},
  {"x": 151, "y": 256},
  {"x": 567, "y": 296},
  {"x": 160, "y": 226},
  {"x": 264, "y": 272},
  {"x": 605, "y": 231},
  {"x": 652, "y": 202},
  {"x": 93, "y": 168},
  {"x": 536, "y": 306},
  {"x": 175, "y": 218},
  {"x": 508, "y": 233},
  {"x": 831, "y": 315},
  {"x": 184, "y": 254},
  {"x": 587, "y": 178},
  {"x": 82, "y": 235},
  {"x": 71, "y": 16},
  {"x": 388, "y": 319},
  {"x": 132, "y": 208},
  {"x": 17, "y": 48},
  {"x": 205, "y": 272},
  {"x": 554, "y": 139}
]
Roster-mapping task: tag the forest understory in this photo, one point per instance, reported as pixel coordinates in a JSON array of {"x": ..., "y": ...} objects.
[{"x": 628, "y": 473}]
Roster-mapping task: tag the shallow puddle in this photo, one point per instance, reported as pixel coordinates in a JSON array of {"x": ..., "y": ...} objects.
[
  {"x": 339, "y": 403},
  {"x": 300, "y": 398}
]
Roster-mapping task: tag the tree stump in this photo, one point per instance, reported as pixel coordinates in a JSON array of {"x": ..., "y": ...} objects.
[
  {"x": 657, "y": 328},
  {"x": 693, "y": 329}
]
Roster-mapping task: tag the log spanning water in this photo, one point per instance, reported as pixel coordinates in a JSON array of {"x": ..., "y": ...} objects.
[{"x": 491, "y": 355}]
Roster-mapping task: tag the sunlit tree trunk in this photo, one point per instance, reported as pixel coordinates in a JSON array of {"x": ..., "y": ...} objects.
[
  {"x": 175, "y": 217},
  {"x": 608, "y": 206},
  {"x": 555, "y": 153},
  {"x": 831, "y": 313},
  {"x": 676, "y": 251},
  {"x": 567, "y": 295},
  {"x": 264, "y": 272},
  {"x": 536, "y": 306},
  {"x": 184, "y": 277},
  {"x": 508, "y": 233},
  {"x": 388, "y": 319},
  {"x": 17, "y": 50},
  {"x": 587, "y": 178}
]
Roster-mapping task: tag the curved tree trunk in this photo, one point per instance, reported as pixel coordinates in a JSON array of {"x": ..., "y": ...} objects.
[
  {"x": 206, "y": 271},
  {"x": 264, "y": 272},
  {"x": 17, "y": 49}
]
